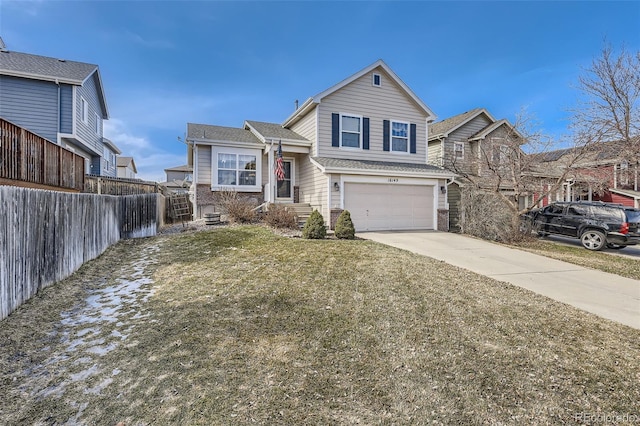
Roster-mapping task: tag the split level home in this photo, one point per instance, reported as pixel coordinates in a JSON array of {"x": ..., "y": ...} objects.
[
  {"x": 473, "y": 145},
  {"x": 60, "y": 100},
  {"x": 360, "y": 145}
]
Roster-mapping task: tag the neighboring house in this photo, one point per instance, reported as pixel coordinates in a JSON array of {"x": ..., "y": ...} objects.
[
  {"x": 468, "y": 144},
  {"x": 62, "y": 101},
  {"x": 179, "y": 178},
  {"x": 126, "y": 167},
  {"x": 602, "y": 174},
  {"x": 360, "y": 145}
]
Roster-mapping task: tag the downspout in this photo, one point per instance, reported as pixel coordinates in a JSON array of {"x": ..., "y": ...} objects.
[
  {"x": 271, "y": 183},
  {"x": 58, "y": 128},
  {"x": 195, "y": 182}
]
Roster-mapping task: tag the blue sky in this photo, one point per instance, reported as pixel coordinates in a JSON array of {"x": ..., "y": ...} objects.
[{"x": 165, "y": 63}]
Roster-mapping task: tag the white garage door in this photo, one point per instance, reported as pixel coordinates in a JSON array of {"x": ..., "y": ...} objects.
[{"x": 377, "y": 207}]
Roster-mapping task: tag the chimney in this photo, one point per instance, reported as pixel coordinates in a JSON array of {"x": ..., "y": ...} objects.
[{"x": 296, "y": 103}]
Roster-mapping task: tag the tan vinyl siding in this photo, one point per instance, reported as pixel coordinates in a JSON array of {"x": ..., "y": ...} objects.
[
  {"x": 204, "y": 165},
  {"x": 306, "y": 128},
  {"x": 388, "y": 102},
  {"x": 313, "y": 186},
  {"x": 435, "y": 153}
]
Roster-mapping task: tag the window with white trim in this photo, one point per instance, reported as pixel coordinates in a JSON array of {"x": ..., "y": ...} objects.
[
  {"x": 376, "y": 80},
  {"x": 84, "y": 111},
  {"x": 106, "y": 153},
  {"x": 500, "y": 154},
  {"x": 458, "y": 150},
  {"x": 350, "y": 131},
  {"x": 399, "y": 136},
  {"x": 97, "y": 124},
  {"x": 236, "y": 168}
]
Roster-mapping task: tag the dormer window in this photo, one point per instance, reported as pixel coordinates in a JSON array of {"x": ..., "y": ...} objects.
[{"x": 376, "y": 80}]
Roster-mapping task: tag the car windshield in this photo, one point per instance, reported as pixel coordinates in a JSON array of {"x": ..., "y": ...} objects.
[{"x": 633, "y": 216}]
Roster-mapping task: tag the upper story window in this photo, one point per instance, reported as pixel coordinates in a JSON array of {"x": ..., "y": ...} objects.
[
  {"x": 109, "y": 158},
  {"x": 350, "y": 131},
  {"x": 376, "y": 80},
  {"x": 399, "y": 136},
  {"x": 97, "y": 125},
  {"x": 500, "y": 153},
  {"x": 84, "y": 110},
  {"x": 458, "y": 150}
]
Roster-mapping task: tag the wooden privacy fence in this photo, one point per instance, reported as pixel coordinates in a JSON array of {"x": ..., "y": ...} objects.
[
  {"x": 46, "y": 235},
  {"x": 118, "y": 186},
  {"x": 27, "y": 157}
]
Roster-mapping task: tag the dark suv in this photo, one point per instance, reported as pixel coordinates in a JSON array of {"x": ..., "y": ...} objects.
[{"x": 596, "y": 224}]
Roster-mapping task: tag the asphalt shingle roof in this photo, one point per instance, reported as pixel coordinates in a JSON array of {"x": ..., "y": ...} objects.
[
  {"x": 444, "y": 126},
  {"x": 377, "y": 165},
  {"x": 274, "y": 131},
  {"x": 220, "y": 133},
  {"x": 43, "y": 67},
  {"x": 183, "y": 168}
]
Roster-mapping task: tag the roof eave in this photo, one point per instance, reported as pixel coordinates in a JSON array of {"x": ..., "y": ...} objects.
[
  {"x": 431, "y": 116},
  {"x": 32, "y": 76},
  {"x": 103, "y": 98},
  {"x": 300, "y": 112},
  {"x": 238, "y": 144}
]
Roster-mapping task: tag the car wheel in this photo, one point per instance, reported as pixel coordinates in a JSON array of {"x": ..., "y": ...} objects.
[{"x": 593, "y": 240}]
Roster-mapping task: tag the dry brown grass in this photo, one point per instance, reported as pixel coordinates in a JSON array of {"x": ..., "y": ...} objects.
[
  {"x": 620, "y": 265},
  {"x": 245, "y": 326}
]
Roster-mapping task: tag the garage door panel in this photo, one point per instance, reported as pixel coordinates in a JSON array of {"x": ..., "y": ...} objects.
[{"x": 390, "y": 207}]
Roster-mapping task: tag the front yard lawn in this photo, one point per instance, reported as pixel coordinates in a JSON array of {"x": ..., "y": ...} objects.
[{"x": 241, "y": 326}]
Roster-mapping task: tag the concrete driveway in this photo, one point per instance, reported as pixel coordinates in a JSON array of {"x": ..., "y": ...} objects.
[{"x": 607, "y": 295}]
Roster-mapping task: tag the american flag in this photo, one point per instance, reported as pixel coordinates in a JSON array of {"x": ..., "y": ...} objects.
[{"x": 279, "y": 163}]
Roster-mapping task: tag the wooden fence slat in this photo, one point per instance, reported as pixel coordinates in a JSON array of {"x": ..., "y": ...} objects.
[
  {"x": 25, "y": 156},
  {"x": 45, "y": 236}
]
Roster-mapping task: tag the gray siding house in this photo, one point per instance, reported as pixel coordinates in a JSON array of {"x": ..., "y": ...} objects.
[
  {"x": 466, "y": 144},
  {"x": 62, "y": 101},
  {"x": 360, "y": 145}
]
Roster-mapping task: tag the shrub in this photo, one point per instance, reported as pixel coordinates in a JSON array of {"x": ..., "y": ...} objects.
[
  {"x": 344, "y": 226},
  {"x": 238, "y": 209},
  {"x": 279, "y": 217},
  {"x": 487, "y": 215},
  {"x": 314, "y": 229}
]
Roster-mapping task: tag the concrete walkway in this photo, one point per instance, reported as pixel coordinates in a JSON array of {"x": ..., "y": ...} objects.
[{"x": 607, "y": 295}]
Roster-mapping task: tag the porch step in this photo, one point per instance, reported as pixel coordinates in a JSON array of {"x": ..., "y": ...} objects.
[{"x": 301, "y": 210}]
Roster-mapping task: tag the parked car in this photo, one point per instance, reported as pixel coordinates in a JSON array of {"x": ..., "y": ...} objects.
[{"x": 596, "y": 224}]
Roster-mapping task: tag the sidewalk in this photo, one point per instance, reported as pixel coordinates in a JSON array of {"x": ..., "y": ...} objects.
[{"x": 607, "y": 295}]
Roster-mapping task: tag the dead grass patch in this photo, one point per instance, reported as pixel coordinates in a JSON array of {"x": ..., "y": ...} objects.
[
  {"x": 619, "y": 265},
  {"x": 245, "y": 326}
]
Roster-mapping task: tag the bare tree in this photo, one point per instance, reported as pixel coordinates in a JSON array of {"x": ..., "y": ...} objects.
[
  {"x": 609, "y": 104},
  {"x": 510, "y": 172}
]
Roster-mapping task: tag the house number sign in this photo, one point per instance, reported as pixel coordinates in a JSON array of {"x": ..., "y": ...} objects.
[{"x": 392, "y": 180}]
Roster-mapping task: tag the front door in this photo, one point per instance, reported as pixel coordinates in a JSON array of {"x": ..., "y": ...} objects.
[{"x": 284, "y": 188}]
